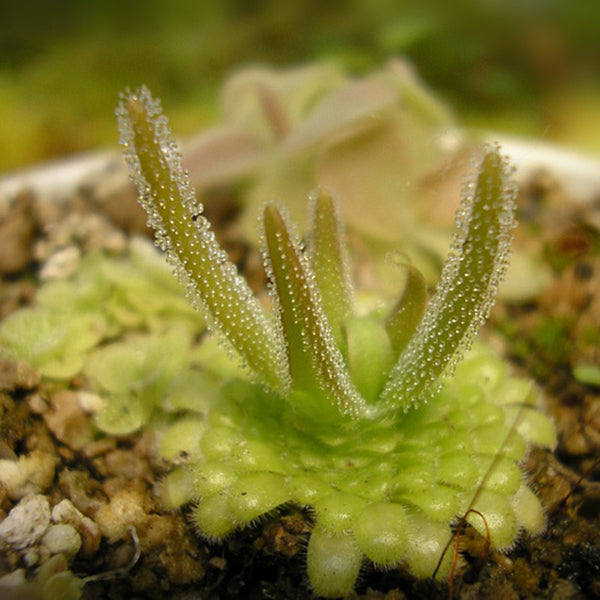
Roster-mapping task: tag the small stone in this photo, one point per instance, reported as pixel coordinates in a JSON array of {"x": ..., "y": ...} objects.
[
  {"x": 128, "y": 465},
  {"x": 17, "y": 375},
  {"x": 11, "y": 581},
  {"x": 66, "y": 512},
  {"x": 99, "y": 447},
  {"x": 16, "y": 234},
  {"x": 68, "y": 421},
  {"x": 82, "y": 490},
  {"x": 563, "y": 589},
  {"x": 218, "y": 562},
  {"x": 26, "y": 523},
  {"x": 62, "y": 539},
  {"x": 90, "y": 403},
  {"x": 6, "y": 453},
  {"x": 62, "y": 264},
  {"x": 117, "y": 196},
  {"x": 37, "y": 404},
  {"x": 31, "y": 474},
  {"x": 31, "y": 557},
  {"x": 124, "y": 510}
]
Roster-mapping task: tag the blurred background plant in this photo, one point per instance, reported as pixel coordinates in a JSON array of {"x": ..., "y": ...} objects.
[{"x": 522, "y": 67}]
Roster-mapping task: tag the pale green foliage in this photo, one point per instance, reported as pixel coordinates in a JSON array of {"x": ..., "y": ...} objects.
[
  {"x": 70, "y": 328},
  {"x": 587, "y": 373},
  {"x": 315, "y": 363},
  {"x": 139, "y": 374},
  {"x": 382, "y": 139},
  {"x": 342, "y": 412},
  {"x": 407, "y": 314},
  {"x": 467, "y": 288},
  {"x": 287, "y": 130},
  {"x": 185, "y": 235},
  {"x": 53, "y": 581},
  {"x": 327, "y": 253},
  {"x": 53, "y": 342}
]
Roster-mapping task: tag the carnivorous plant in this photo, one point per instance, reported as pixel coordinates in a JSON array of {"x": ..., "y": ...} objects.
[{"x": 390, "y": 425}]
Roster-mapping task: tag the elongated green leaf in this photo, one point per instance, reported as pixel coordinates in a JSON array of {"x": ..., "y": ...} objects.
[
  {"x": 202, "y": 266},
  {"x": 329, "y": 261},
  {"x": 370, "y": 355},
  {"x": 408, "y": 312},
  {"x": 467, "y": 287},
  {"x": 315, "y": 361}
]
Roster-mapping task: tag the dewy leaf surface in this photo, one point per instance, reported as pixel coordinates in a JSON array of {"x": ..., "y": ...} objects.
[
  {"x": 381, "y": 481},
  {"x": 329, "y": 261},
  {"x": 408, "y": 312},
  {"x": 211, "y": 280},
  {"x": 316, "y": 363},
  {"x": 467, "y": 287}
]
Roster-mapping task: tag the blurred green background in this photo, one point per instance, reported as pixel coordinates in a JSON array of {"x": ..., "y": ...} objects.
[{"x": 523, "y": 66}]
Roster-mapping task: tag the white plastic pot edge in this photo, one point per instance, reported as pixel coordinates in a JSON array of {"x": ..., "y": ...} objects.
[
  {"x": 56, "y": 180},
  {"x": 576, "y": 172}
]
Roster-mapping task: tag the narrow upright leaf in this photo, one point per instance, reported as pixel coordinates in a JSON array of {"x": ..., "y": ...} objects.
[
  {"x": 211, "y": 280},
  {"x": 408, "y": 312},
  {"x": 330, "y": 263},
  {"x": 315, "y": 361},
  {"x": 467, "y": 287}
]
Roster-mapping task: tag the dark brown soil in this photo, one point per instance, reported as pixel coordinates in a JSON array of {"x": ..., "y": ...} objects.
[{"x": 268, "y": 561}]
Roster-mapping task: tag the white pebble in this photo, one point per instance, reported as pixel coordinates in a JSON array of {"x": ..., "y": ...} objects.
[
  {"x": 90, "y": 403},
  {"x": 62, "y": 539},
  {"x": 26, "y": 523},
  {"x": 13, "y": 580},
  {"x": 31, "y": 557},
  {"x": 30, "y": 474},
  {"x": 62, "y": 264},
  {"x": 66, "y": 512}
]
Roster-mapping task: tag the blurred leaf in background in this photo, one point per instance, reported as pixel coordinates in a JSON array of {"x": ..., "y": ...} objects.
[{"x": 523, "y": 66}]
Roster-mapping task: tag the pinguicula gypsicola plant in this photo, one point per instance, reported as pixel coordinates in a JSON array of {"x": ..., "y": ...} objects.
[{"x": 345, "y": 412}]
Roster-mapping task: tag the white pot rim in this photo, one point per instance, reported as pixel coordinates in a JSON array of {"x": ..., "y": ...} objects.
[{"x": 576, "y": 172}]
